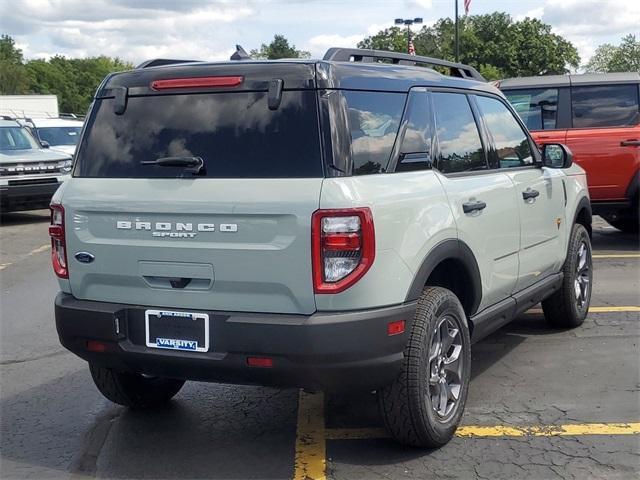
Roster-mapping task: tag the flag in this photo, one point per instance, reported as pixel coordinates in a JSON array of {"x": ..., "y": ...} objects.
[
  {"x": 467, "y": 4},
  {"x": 412, "y": 49}
]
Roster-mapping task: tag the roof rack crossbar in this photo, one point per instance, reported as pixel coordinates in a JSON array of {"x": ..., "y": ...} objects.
[
  {"x": 158, "y": 62},
  {"x": 365, "y": 55}
]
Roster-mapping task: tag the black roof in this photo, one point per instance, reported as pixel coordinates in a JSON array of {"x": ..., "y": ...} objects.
[
  {"x": 399, "y": 75},
  {"x": 567, "y": 80}
]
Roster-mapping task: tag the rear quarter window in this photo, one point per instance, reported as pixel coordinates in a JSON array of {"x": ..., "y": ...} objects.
[
  {"x": 235, "y": 134},
  {"x": 538, "y": 107}
]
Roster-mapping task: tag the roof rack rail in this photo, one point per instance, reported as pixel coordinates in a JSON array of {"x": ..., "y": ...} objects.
[
  {"x": 158, "y": 62},
  {"x": 365, "y": 55}
]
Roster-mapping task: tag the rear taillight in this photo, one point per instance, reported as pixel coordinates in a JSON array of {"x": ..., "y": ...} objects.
[
  {"x": 58, "y": 246},
  {"x": 343, "y": 247}
]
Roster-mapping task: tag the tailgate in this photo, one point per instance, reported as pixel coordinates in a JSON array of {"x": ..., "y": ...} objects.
[{"x": 210, "y": 244}]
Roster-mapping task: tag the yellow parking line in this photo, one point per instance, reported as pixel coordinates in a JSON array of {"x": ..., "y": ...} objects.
[
  {"x": 310, "y": 459},
  {"x": 617, "y": 255},
  {"x": 40, "y": 249},
  {"x": 4, "y": 265},
  {"x": 502, "y": 431},
  {"x": 628, "y": 308}
]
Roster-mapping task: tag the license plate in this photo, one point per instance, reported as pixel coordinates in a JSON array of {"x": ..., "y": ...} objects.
[{"x": 186, "y": 331}]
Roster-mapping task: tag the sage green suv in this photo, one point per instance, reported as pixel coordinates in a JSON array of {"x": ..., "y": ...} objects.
[{"x": 355, "y": 222}]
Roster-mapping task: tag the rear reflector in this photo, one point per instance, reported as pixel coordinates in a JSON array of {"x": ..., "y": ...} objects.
[
  {"x": 261, "y": 362},
  {"x": 395, "y": 328},
  {"x": 196, "y": 82},
  {"x": 96, "y": 346}
]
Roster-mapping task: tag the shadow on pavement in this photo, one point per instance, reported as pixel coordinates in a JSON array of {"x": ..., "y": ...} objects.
[{"x": 24, "y": 218}]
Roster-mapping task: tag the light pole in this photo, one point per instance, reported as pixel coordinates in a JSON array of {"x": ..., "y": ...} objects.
[{"x": 408, "y": 22}]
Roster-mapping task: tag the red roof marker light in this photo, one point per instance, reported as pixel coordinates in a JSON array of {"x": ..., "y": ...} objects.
[{"x": 196, "y": 82}]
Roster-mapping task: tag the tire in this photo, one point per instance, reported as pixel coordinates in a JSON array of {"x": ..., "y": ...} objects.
[
  {"x": 132, "y": 389},
  {"x": 410, "y": 414},
  {"x": 568, "y": 307}
]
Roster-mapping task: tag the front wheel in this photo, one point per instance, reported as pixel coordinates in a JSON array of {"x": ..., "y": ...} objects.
[
  {"x": 133, "y": 389},
  {"x": 568, "y": 307},
  {"x": 423, "y": 406}
]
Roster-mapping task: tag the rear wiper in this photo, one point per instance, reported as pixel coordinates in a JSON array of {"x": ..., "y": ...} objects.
[{"x": 194, "y": 164}]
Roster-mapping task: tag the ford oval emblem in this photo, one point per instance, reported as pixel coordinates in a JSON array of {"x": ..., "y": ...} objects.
[{"x": 84, "y": 257}]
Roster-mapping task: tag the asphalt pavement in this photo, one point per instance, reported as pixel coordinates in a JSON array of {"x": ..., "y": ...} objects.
[{"x": 543, "y": 403}]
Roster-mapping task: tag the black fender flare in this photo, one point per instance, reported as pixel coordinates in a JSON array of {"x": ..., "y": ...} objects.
[
  {"x": 448, "y": 249},
  {"x": 583, "y": 204}
]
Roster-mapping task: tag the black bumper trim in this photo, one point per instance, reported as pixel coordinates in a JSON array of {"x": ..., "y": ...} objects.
[
  {"x": 328, "y": 351},
  {"x": 27, "y": 196}
]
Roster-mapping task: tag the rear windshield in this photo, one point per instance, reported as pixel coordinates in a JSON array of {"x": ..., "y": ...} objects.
[
  {"x": 235, "y": 134},
  {"x": 59, "y": 135}
]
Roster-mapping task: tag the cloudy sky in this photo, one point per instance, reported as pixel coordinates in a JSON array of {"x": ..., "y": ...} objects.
[{"x": 136, "y": 30}]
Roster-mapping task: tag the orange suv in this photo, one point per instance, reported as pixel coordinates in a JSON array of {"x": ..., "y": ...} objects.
[{"x": 598, "y": 117}]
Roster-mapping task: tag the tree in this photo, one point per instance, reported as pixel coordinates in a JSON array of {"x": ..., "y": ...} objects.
[
  {"x": 622, "y": 58},
  {"x": 13, "y": 75},
  {"x": 493, "y": 43},
  {"x": 279, "y": 48}
]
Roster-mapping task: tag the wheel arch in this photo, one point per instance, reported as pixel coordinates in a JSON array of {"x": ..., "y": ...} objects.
[
  {"x": 583, "y": 215},
  {"x": 450, "y": 264}
]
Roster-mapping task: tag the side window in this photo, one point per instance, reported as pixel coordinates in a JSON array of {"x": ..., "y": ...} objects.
[
  {"x": 604, "y": 106},
  {"x": 415, "y": 151},
  {"x": 460, "y": 148},
  {"x": 374, "y": 119},
  {"x": 538, "y": 107},
  {"x": 511, "y": 147}
]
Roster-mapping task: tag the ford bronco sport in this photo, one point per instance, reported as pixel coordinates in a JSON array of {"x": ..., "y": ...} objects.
[
  {"x": 354, "y": 222},
  {"x": 598, "y": 117}
]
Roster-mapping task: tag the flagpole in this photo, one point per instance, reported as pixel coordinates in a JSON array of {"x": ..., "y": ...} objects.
[{"x": 457, "y": 47}]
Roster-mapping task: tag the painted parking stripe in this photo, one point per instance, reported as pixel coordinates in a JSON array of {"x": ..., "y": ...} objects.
[
  {"x": 628, "y": 308},
  {"x": 310, "y": 459},
  {"x": 476, "y": 431},
  {"x": 616, "y": 255}
]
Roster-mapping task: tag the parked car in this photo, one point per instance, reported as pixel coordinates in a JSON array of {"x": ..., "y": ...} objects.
[
  {"x": 332, "y": 224},
  {"x": 29, "y": 173},
  {"x": 60, "y": 134},
  {"x": 597, "y": 116}
]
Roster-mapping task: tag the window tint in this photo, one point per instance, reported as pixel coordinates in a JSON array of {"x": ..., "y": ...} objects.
[
  {"x": 236, "y": 135},
  {"x": 458, "y": 138},
  {"x": 604, "y": 106},
  {"x": 415, "y": 151},
  {"x": 511, "y": 144},
  {"x": 538, "y": 108},
  {"x": 374, "y": 118}
]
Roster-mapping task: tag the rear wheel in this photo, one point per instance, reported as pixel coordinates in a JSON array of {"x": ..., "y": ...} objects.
[
  {"x": 132, "y": 389},
  {"x": 568, "y": 307},
  {"x": 423, "y": 406}
]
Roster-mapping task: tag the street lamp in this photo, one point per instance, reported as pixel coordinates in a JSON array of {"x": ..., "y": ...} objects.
[{"x": 408, "y": 22}]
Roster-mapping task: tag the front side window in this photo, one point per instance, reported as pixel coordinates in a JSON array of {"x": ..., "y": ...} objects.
[
  {"x": 460, "y": 148},
  {"x": 374, "y": 119},
  {"x": 16, "y": 138},
  {"x": 511, "y": 146},
  {"x": 605, "y": 106},
  {"x": 537, "y": 107}
]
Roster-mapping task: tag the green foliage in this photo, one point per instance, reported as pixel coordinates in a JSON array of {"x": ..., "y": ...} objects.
[
  {"x": 278, "y": 48},
  {"x": 622, "y": 58},
  {"x": 494, "y": 44},
  {"x": 13, "y": 76},
  {"x": 73, "y": 80}
]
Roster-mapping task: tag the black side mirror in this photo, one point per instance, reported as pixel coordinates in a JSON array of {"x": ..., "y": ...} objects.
[
  {"x": 45, "y": 144},
  {"x": 556, "y": 155}
]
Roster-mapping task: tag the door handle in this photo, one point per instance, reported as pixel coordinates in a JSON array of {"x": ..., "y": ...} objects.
[
  {"x": 469, "y": 207},
  {"x": 630, "y": 143},
  {"x": 530, "y": 193}
]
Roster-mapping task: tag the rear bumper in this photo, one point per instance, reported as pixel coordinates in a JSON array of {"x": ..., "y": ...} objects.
[
  {"x": 27, "y": 196},
  {"x": 327, "y": 351},
  {"x": 614, "y": 209}
]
